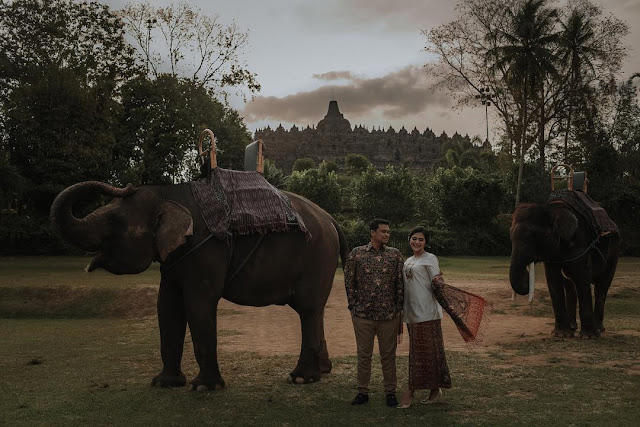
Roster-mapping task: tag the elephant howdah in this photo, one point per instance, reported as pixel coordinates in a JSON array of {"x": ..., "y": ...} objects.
[
  {"x": 165, "y": 224},
  {"x": 577, "y": 250},
  {"x": 244, "y": 202},
  {"x": 586, "y": 207}
]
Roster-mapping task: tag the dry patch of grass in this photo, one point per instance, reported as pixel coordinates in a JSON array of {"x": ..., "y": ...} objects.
[{"x": 76, "y": 302}]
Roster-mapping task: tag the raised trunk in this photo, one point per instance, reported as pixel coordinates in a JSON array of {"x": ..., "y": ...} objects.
[{"x": 82, "y": 232}]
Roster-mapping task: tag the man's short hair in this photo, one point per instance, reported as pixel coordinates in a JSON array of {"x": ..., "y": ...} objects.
[{"x": 373, "y": 225}]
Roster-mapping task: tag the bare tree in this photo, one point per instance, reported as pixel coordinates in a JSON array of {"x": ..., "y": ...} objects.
[
  {"x": 183, "y": 41},
  {"x": 461, "y": 67}
]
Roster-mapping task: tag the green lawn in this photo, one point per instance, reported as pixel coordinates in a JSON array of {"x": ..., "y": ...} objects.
[{"x": 83, "y": 351}]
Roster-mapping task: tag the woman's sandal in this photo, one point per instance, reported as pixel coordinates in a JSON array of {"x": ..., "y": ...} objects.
[
  {"x": 404, "y": 405},
  {"x": 432, "y": 397}
]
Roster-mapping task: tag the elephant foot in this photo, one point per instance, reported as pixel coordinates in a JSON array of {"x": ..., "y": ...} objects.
[
  {"x": 164, "y": 379},
  {"x": 302, "y": 375},
  {"x": 587, "y": 334},
  {"x": 325, "y": 366},
  {"x": 299, "y": 378},
  {"x": 325, "y": 362},
  {"x": 562, "y": 333},
  {"x": 202, "y": 384},
  {"x": 308, "y": 369},
  {"x": 574, "y": 326},
  {"x": 601, "y": 327}
]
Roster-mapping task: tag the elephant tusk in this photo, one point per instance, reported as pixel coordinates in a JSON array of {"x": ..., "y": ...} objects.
[
  {"x": 532, "y": 280},
  {"x": 513, "y": 295}
]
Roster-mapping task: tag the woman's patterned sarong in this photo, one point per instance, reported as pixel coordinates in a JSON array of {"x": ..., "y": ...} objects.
[{"x": 427, "y": 362}]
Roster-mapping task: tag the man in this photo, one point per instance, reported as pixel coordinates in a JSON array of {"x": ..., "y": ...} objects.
[{"x": 373, "y": 280}]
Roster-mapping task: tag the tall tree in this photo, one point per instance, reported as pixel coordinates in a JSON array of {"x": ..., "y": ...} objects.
[
  {"x": 590, "y": 50},
  {"x": 472, "y": 55},
  {"x": 62, "y": 64},
  {"x": 85, "y": 37},
  {"x": 161, "y": 122},
  {"x": 525, "y": 55},
  {"x": 191, "y": 44},
  {"x": 461, "y": 68}
]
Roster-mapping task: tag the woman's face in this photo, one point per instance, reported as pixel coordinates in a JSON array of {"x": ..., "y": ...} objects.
[{"x": 417, "y": 242}]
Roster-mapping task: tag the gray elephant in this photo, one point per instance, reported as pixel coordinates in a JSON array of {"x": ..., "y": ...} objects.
[
  {"x": 164, "y": 223},
  {"x": 574, "y": 257}
]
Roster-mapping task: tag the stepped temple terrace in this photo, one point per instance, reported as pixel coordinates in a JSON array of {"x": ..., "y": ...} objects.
[{"x": 332, "y": 139}]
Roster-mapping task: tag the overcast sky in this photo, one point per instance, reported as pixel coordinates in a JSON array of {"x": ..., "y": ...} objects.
[{"x": 367, "y": 54}]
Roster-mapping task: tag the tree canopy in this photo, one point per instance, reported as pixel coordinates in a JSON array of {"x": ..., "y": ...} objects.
[
  {"x": 524, "y": 53},
  {"x": 192, "y": 44}
]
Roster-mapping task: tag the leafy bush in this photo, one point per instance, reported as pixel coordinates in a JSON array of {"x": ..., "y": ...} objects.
[
  {"x": 318, "y": 185},
  {"x": 536, "y": 185},
  {"x": 22, "y": 234},
  {"x": 465, "y": 198},
  {"x": 274, "y": 174},
  {"x": 356, "y": 163},
  {"x": 330, "y": 165},
  {"x": 303, "y": 164},
  {"x": 388, "y": 194},
  {"x": 356, "y": 232}
]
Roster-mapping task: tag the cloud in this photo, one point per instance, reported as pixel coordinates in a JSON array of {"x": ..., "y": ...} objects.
[
  {"x": 383, "y": 15},
  {"x": 406, "y": 92},
  {"x": 335, "y": 75}
]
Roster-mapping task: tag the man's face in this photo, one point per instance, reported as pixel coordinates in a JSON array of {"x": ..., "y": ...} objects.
[{"x": 381, "y": 235}]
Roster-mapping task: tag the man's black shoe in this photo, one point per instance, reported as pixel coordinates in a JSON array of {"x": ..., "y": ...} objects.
[
  {"x": 360, "y": 399},
  {"x": 391, "y": 400}
]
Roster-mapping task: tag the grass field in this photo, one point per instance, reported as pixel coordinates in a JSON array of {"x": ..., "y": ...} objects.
[{"x": 81, "y": 349}]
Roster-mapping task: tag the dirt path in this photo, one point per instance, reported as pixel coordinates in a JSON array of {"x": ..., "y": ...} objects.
[{"x": 277, "y": 329}]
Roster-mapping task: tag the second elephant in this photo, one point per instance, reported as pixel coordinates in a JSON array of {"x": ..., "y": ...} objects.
[{"x": 573, "y": 259}]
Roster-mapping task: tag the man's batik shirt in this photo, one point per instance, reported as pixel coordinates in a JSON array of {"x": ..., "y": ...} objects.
[{"x": 373, "y": 280}]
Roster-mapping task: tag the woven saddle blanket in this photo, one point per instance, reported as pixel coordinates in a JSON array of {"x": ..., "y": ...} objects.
[
  {"x": 585, "y": 206},
  {"x": 244, "y": 203}
]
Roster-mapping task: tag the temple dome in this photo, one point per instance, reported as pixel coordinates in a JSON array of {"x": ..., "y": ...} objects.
[{"x": 334, "y": 121}]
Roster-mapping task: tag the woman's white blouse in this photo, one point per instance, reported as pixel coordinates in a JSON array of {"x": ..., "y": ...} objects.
[{"x": 420, "y": 304}]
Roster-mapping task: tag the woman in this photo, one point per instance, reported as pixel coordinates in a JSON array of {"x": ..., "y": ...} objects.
[
  {"x": 425, "y": 296},
  {"x": 428, "y": 368}
]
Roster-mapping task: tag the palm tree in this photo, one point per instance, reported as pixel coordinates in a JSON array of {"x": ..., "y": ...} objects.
[
  {"x": 525, "y": 55},
  {"x": 460, "y": 152},
  {"x": 578, "y": 51}
]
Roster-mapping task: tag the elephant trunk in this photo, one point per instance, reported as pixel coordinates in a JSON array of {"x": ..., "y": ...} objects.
[
  {"x": 82, "y": 232},
  {"x": 519, "y": 277}
]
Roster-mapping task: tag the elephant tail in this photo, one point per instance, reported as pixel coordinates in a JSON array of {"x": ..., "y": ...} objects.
[{"x": 344, "y": 246}]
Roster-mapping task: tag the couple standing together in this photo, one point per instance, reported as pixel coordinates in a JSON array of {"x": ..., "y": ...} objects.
[{"x": 382, "y": 290}]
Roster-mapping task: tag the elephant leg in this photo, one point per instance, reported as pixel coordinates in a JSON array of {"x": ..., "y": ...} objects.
[
  {"x": 308, "y": 367},
  {"x": 555, "y": 284},
  {"x": 201, "y": 307},
  {"x": 601, "y": 288},
  {"x": 325, "y": 362},
  {"x": 172, "y": 322},
  {"x": 581, "y": 278},
  {"x": 572, "y": 302},
  {"x": 598, "y": 311}
]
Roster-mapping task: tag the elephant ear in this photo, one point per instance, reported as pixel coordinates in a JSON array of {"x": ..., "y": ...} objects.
[
  {"x": 174, "y": 225},
  {"x": 565, "y": 223}
]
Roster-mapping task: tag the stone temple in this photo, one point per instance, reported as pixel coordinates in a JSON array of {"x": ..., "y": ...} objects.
[{"x": 333, "y": 138}]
